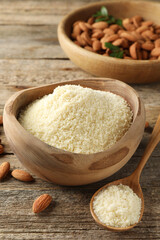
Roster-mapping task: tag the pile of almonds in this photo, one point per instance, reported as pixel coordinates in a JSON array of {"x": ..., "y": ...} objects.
[
  {"x": 43, "y": 201},
  {"x": 139, "y": 39}
]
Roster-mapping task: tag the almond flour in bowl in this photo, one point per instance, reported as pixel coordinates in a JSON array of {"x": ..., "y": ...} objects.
[{"x": 77, "y": 119}]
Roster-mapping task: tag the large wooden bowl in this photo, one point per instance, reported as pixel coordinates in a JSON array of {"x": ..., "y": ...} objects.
[
  {"x": 130, "y": 71},
  {"x": 66, "y": 168}
]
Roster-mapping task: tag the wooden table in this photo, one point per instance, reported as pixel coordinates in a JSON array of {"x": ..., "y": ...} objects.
[{"x": 31, "y": 56}]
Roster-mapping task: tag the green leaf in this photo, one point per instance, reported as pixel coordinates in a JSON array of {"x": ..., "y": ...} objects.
[
  {"x": 117, "y": 54},
  {"x": 119, "y": 22},
  {"x": 97, "y": 14},
  {"x": 104, "y": 19},
  {"x": 111, "y": 20},
  {"x": 104, "y": 11},
  {"x": 112, "y": 47}
]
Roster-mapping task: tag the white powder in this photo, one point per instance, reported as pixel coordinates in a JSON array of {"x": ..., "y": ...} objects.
[
  {"x": 117, "y": 206},
  {"x": 78, "y": 119}
]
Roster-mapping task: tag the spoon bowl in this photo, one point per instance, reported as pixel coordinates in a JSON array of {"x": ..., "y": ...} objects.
[
  {"x": 135, "y": 186},
  {"x": 132, "y": 181}
]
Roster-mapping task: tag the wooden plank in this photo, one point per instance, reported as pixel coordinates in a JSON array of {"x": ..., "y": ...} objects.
[
  {"x": 29, "y": 42},
  {"x": 69, "y": 214},
  {"x": 38, "y": 72},
  {"x": 37, "y": 12}
]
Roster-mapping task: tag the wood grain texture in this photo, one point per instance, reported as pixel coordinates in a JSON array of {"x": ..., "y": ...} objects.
[{"x": 69, "y": 218}]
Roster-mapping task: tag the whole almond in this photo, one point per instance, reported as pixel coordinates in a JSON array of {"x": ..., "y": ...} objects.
[
  {"x": 1, "y": 120},
  {"x": 148, "y": 45},
  {"x": 75, "y": 23},
  {"x": 141, "y": 29},
  {"x": 133, "y": 50},
  {"x": 137, "y": 35},
  {"x": 76, "y": 31},
  {"x": 115, "y": 27},
  {"x": 100, "y": 25},
  {"x": 126, "y": 21},
  {"x": 112, "y": 38},
  {"x": 90, "y": 20},
  {"x": 155, "y": 52},
  {"x": 1, "y": 149},
  {"x": 147, "y": 23},
  {"x": 98, "y": 35},
  {"x": 108, "y": 31},
  {"x": 88, "y": 25},
  {"x": 157, "y": 43},
  {"x": 81, "y": 41},
  {"x": 128, "y": 36},
  {"x": 129, "y": 27},
  {"x": 86, "y": 38},
  {"x": 118, "y": 42},
  {"x": 22, "y": 175},
  {"x": 4, "y": 169},
  {"x": 96, "y": 45},
  {"x": 137, "y": 21},
  {"x": 83, "y": 26},
  {"x": 149, "y": 34},
  {"x": 120, "y": 31},
  {"x": 41, "y": 203},
  {"x": 125, "y": 43}
]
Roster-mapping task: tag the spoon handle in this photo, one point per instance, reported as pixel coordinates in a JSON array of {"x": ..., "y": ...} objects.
[{"x": 154, "y": 140}]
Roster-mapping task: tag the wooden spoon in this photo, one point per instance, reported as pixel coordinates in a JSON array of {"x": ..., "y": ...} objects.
[{"x": 133, "y": 180}]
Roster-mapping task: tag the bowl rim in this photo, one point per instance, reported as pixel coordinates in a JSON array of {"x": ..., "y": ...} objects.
[
  {"x": 11, "y": 103},
  {"x": 61, "y": 31}
]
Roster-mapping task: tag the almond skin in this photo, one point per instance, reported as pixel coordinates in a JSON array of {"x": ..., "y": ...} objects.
[
  {"x": 118, "y": 42},
  {"x": 112, "y": 38},
  {"x": 128, "y": 36},
  {"x": 1, "y": 120},
  {"x": 155, "y": 52},
  {"x": 83, "y": 26},
  {"x": 133, "y": 50},
  {"x": 4, "y": 169},
  {"x": 141, "y": 29},
  {"x": 147, "y": 45},
  {"x": 1, "y": 149},
  {"x": 96, "y": 45},
  {"x": 100, "y": 25},
  {"x": 157, "y": 43},
  {"x": 115, "y": 27},
  {"x": 41, "y": 203},
  {"x": 22, "y": 175}
]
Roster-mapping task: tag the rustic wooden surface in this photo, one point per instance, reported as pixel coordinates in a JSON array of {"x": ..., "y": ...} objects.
[{"x": 30, "y": 56}]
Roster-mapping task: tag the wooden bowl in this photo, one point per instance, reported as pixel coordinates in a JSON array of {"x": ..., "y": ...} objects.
[
  {"x": 63, "y": 167},
  {"x": 130, "y": 71}
]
